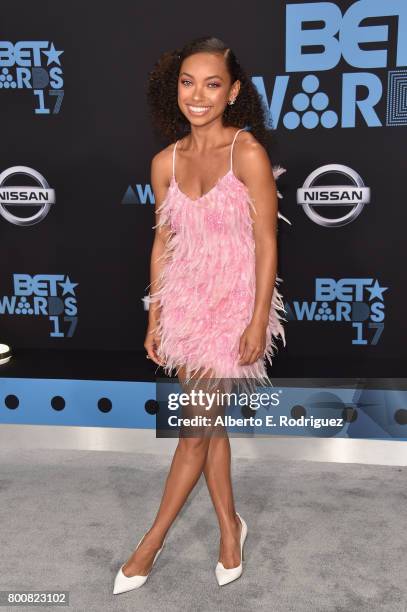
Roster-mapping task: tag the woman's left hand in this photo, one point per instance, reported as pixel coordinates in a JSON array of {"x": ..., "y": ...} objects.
[{"x": 252, "y": 343}]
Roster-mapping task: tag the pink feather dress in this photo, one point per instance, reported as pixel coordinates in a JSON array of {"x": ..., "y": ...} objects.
[{"x": 206, "y": 288}]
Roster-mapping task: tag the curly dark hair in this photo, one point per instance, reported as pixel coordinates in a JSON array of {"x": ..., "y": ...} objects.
[{"x": 162, "y": 93}]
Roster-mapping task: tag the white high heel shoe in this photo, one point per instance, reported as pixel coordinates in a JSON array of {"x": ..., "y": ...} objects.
[
  {"x": 225, "y": 575},
  {"x": 124, "y": 583}
]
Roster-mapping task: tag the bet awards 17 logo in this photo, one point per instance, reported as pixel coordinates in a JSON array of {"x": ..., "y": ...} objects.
[
  {"x": 363, "y": 46},
  {"x": 358, "y": 301},
  {"x": 49, "y": 295},
  {"x": 35, "y": 65}
]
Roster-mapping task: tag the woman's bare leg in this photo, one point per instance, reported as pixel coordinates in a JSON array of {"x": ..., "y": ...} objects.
[
  {"x": 217, "y": 471},
  {"x": 186, "y": 467}
]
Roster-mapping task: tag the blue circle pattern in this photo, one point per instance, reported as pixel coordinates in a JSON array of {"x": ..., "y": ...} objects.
[
  {"x": 6, "y": 80},
  {"x": 324, "y": 313},
  {"x": 319, "y": 101},
  {"x": 24, "y": 307}
]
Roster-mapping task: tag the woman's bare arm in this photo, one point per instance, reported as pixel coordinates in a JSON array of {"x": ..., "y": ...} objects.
[
  {"x": 257, "y": 174},
  {"x": 159, "y": 182}
]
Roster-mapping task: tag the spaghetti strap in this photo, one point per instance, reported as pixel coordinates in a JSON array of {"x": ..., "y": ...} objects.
[
  {"x": 173, "y": 160},
  {"x": 231, "y": 148},
  {"x": 231, "y": 153}
]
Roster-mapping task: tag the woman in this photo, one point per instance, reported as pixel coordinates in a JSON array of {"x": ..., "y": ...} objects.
[{"x": 213, "y": 312}]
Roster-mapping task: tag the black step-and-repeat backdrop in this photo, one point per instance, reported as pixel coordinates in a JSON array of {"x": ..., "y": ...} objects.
[{"x": 76, "y": 204}]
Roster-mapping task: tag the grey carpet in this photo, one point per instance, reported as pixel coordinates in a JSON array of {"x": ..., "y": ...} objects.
[{"x": 321, "y": 536}]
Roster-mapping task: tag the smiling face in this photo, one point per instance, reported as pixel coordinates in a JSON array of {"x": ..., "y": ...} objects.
[{"x": 204, "y": 87}]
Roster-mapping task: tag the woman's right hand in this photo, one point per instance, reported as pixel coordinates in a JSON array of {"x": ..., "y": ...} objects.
[{"x": 152, "y": 342}]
